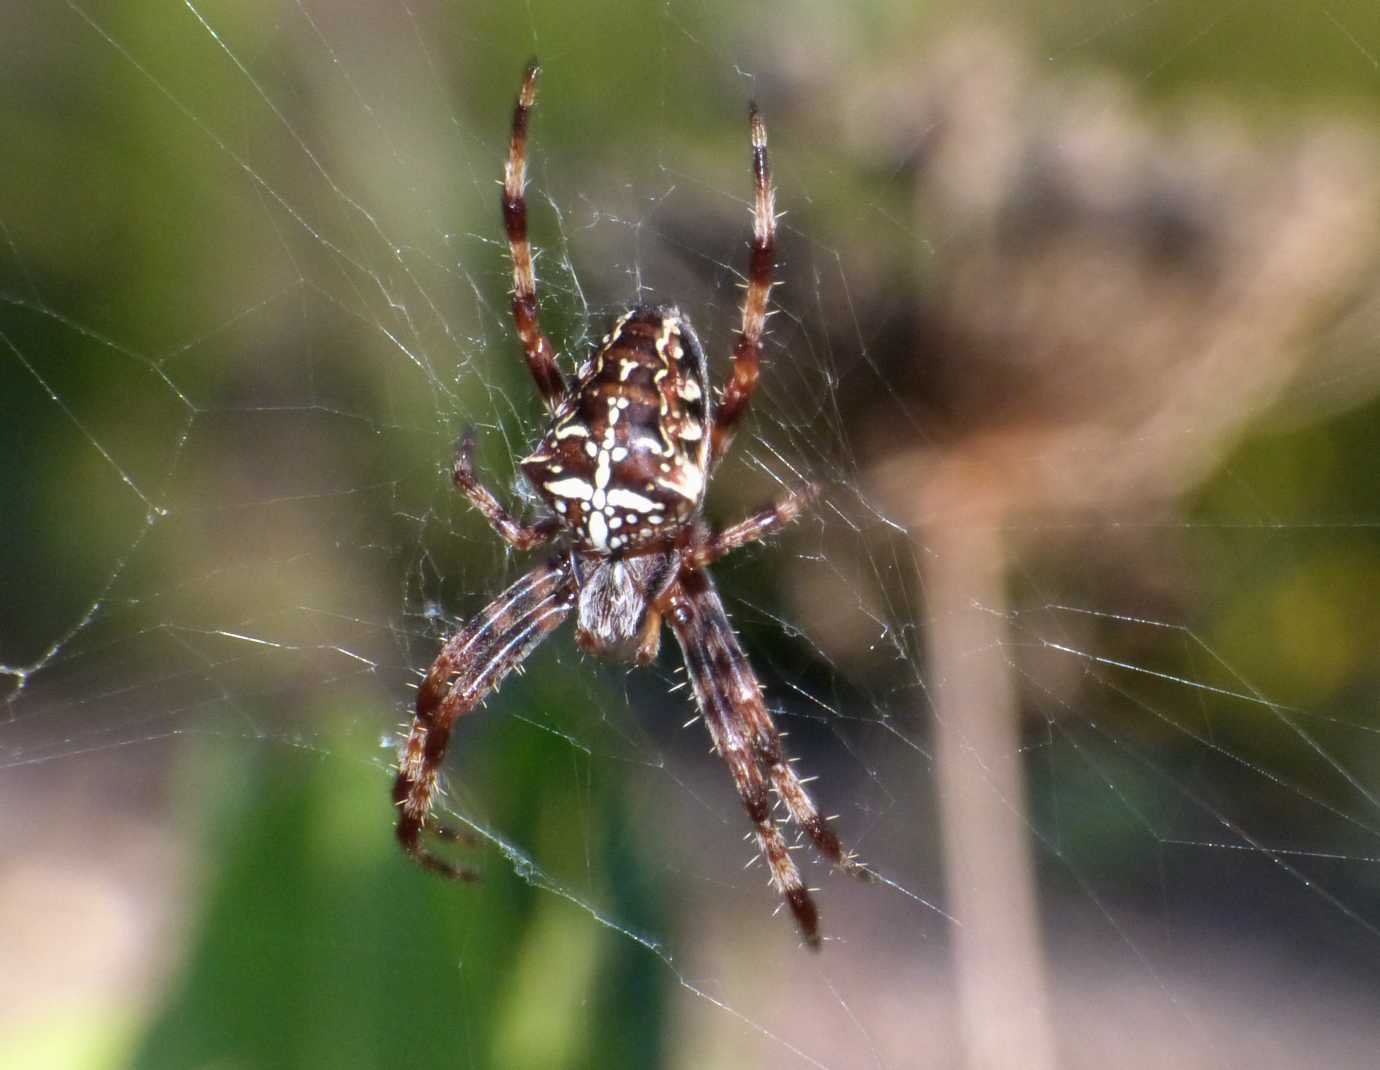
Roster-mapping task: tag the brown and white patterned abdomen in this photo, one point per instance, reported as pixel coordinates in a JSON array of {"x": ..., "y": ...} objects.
[{"x": 626, "y": 453}]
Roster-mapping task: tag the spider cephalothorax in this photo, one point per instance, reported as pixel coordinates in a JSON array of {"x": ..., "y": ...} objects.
[{"x": 623, "y": 467}]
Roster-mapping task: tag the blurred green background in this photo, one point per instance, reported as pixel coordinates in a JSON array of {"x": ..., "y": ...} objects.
[{"x": 252, "y": 287}]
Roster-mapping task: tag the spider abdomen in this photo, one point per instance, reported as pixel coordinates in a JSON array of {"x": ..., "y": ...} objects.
[{"x": 625, "y": 456}]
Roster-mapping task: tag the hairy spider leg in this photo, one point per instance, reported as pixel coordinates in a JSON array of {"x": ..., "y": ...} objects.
[
  {"x": 747, "y": 352},
  {"x": 734, "y": 666},
  {"x": 727, "y": 692},
  {"x": 742, "y": 683},
  {"x": 754, "y": 528},
  {"x": 516, "y": 534},
  {"x": 478, "y": 656},
  {"x": 541, "y": 358}
]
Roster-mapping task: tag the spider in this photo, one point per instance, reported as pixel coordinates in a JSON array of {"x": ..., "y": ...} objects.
[{"x": 623, "y": 467}]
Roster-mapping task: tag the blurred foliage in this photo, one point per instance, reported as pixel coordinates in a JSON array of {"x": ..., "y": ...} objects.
[{"x": 320, "y": 946}]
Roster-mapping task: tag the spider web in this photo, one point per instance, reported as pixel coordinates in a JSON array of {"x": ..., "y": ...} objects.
[{"x": 253, "y": 287}]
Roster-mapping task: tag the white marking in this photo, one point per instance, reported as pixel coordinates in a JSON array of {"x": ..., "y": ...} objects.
[
  {"x": 690, "y": 431},
  {"x": 617, "y": 332},
  {"x": 560, "y": 507},
  {"x": 654, "y": 519},
  {"x": 577, "y": 430},
  {"x": 601, "y": 471},
  {"x": 689, "y": 390},
  {"x": 570, "y": 487},
  {"x": 642, "y": 440},
  {"x": 630, "y": 499},
  {"x": 615, "y": 542},
  {"x": 625, "y": 369},
  {"x": 670, "y": 327},
  {"x": 598, "y": 531},
  {"x": 619, "y": 452},
  {"x": 690, "y": 484},
  {"x": 615, "y": 523},
  {"x": 591, "y": 449}
]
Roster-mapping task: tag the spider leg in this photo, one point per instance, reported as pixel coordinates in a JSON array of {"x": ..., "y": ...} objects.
[
  {"x": 747, "y": 352},
  {"x": 799, "y": 805},
  {"x": 478, "y": 657},
  {"x": 516, "y": 534},
  {"x": 730, "y": 698},
  {"x": 541, "y": 358},
  {"x": 758, "y": 526},
  {"x": 765, "y": 735}
]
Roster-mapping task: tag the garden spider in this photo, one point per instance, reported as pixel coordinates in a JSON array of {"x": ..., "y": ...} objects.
[{"x": 623, "y": 467}]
